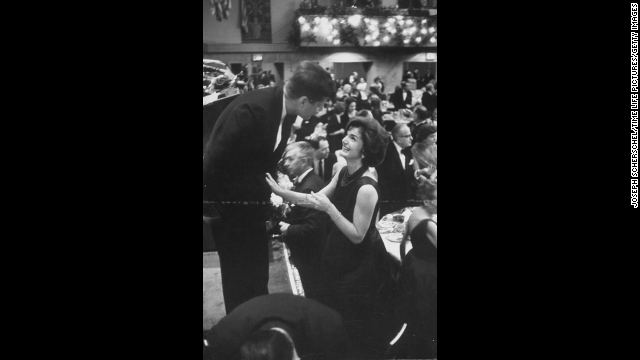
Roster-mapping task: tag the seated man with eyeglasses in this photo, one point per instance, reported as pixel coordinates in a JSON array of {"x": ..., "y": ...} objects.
[{"x": 395, "y": 173}]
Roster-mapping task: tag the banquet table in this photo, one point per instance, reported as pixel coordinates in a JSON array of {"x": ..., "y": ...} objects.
[{"x": 391, "y": 228}]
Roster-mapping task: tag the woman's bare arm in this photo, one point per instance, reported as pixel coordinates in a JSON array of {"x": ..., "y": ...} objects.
[
  {"x": 293, "y": 197},
  {"x": 362, "y": 213}
]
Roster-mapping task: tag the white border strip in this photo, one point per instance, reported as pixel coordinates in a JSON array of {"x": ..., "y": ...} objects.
[
  {"x": 404, "y": 326},
  {"x": 289, "y": 270}
]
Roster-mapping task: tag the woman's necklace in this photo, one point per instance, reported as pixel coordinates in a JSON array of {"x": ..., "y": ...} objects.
[{"x": 348, "y": 179}]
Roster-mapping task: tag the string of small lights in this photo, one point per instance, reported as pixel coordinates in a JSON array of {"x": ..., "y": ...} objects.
[{"x": 364, "y": 30}]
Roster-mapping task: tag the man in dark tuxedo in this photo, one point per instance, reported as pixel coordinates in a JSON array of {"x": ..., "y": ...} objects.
[
  {"x": 323, "y": 159},
  {"x": 313, "y": 330},
  {"x": 247, "y": 142},
  {"x": 351, "y": 78},
  {"x": 306, "y": 128},
  {"x": 429, "y": 99},
  {"x": 408, "y": 98},
  {"x": 395, "y": 173},
  {"x": 429, "y": 76},
  {"x": 305, "y": 229},
  {"x": 420, "y": 117},
  {"x": 402, "y": 98}
]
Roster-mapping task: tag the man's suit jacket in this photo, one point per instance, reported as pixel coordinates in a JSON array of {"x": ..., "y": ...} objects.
[
  {"x": 306, "y": 237},
  {"x": 409, "y": 100},
  {"x": 429, "y": 101},
  {"x": 394, "y": 181},
  {"x": 304, "y": 221},
  {"x": 397, "y": 101},
  {"x": 328, "y": 167},
  {"x": 241, "y": 151},
  {"x": 306, "y": 128},
  {"x": 315, "y": 328}
]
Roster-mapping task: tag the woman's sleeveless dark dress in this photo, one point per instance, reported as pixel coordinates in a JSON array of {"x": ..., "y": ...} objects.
[
  {"x": 418, "y": 304},
  {"x": 355, "y": 272}
]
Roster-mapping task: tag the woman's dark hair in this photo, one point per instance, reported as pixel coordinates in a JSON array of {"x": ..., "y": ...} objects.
[
  {"x": 339, "y": 107},
  {"x": 374, "y": 139},
  {"x": 424, "y": 131},
  {"x": 310, "y": 80},
  {"x": 266, "y": 345},
  {"x": 348, "y": 102}
]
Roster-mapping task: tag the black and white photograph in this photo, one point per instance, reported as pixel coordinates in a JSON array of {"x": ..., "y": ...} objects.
[{"x": 320, "y": 179}]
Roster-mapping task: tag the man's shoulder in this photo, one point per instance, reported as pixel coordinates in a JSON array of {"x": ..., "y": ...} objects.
[
  {"x": 260, "y": 96},
  {"x": 312, "y": 182}
]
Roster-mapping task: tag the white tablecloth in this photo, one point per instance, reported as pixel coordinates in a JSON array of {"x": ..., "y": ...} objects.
[{"x": 392, "y": 236}]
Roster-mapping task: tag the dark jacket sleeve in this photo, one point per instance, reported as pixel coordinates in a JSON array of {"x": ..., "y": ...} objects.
[
  {"x": 333, "y": 124},
  {"x": 308, "y": 223},
  {"x": 234, "y": 134},
  {"x": 312, "y": 226}
]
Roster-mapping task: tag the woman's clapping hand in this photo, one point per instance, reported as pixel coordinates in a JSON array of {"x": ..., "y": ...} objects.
[
  {"x": 319, "y": 201},
  {"x": 274, "y": 185}
]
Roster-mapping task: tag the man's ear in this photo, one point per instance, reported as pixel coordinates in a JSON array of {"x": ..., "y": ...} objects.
[{"x": 302, "y": 101}]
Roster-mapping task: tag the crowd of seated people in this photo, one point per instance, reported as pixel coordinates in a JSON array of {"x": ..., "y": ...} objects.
[{"x": 346, "y": 167}]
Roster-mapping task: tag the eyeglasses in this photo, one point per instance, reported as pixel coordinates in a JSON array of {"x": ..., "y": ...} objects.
[{"x": 405, "y": 136}]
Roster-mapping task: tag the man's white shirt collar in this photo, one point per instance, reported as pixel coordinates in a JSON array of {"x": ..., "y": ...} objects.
[
  {"x": 303, "y": 175},
  {"x": 402, "y": 158}
]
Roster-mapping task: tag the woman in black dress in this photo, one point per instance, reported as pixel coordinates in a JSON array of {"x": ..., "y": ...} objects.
[
  {"x": 418, "y": 279},
  {"x": 349, "y": 112},
  {"x": 355, "y": 260}
]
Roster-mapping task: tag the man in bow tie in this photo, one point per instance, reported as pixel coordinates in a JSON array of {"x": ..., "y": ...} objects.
[
  {"x": 395, "y": 173},
  {"x": 247, "y": 141},
  {"x": 305, "y": 231}
]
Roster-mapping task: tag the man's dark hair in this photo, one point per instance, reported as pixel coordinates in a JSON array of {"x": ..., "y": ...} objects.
[
  {"x": 266, "y": 345},
  {"x": 311, "y": 80},
  {"x": 315, "y": 142},
  {"x": 374, "y": 139},
  {"x": 422, "y": 112},
  {"x": 375, "y": 101}
]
